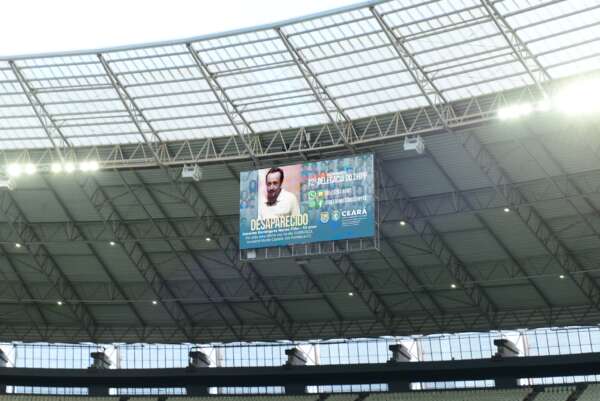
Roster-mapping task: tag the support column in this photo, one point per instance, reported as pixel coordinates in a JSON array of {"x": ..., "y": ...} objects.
[
  {"x": 295, "y": 358},
  {"x": 197, "y": 360},
  {"x": 100, "y": 361},
  {"x": 505, "y": 349},
  {"x": 3, "y": 364},
  {"x": 400, "y": 354}
]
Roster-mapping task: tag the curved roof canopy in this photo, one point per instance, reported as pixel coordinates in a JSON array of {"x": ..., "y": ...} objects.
[
  {"x": 496, "y": 226},
  {"x": 347, "y": 64}
]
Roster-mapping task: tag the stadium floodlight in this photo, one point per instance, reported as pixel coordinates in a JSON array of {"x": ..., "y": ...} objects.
[
  {"x": 30, "y": 169},
  {"x": 579, "y": 98},
  {"x": 56, "y": 168},
  {"x": 69, "y": 167},
  {"x": 543, "y": 105},
  {"x": 14, "y": 170},
  {"x": 89, "y": 166},
  {"x": 515, "y": 111}
]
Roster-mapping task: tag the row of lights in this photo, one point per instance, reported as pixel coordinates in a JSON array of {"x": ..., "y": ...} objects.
[
  {"x": 350, "y": 294},
  {"x": 577, "y": 98},
  {"x": 111, "y": 243},
  {"x": 454, "y": 286},
  {"x": 403, "y": 222},
  {"x": 17, "y": 169},
  {"x": 61, "y": 303},
  {"x": 18, "y": 244}
]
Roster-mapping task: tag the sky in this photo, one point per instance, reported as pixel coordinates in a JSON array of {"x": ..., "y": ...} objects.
[{"x": 41, "y": 26}]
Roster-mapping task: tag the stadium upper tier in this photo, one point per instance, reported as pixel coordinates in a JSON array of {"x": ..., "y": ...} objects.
[{"x": 364, "y": 60}]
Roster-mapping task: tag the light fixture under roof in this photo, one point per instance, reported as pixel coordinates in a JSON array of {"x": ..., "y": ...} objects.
[
  {"x": 88, "y": 166},
  {"x": 514, "y": 111},
  {"x": 579, "y": 98},
  {"x": 14, "y": 170},
  {"x": 56, "y": 168},
  {"x": 69, "y": 167},
  {"x": 30, "y": 169}
]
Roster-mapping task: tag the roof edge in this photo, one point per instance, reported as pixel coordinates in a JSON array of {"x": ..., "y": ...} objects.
[{"x": 257, "y": 28}]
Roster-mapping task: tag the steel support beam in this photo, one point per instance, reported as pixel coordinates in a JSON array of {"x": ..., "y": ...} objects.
[
  {"x": 154, "y": 143},
  {"x": 27, "y": 290},
  {"x": 315, "y": 283},
  {"x": 198, "y": 204},
  {"x": 479, "y": 200},
  {"x": 218, "y": 90},
  {"x": 77, "y": 232},
  {"x": 135, "y": 252},
  {"x": 345, "y": 265},
  {"x": 137, "y": 256},
  {"x": 490, "y": 167},
  {"x": 46, "y": 264},
  {"x": 251, "y": 276},
  {"x": 382, "y": 312},
  {"x": 572, "y": 183},
  {"x": 497, "y": 239},
  {"x": 235, "y": 328},
  {"x": 408, "y": 278},
  {"x": 494, "y": 274},
  {"x": 234, "y": 116},
  {"x": 438, "y": 247},
  {"x": 523, "y": 54},
  {"x": 331, "y": 108},
  {"x": 57, "y": 139},
  {"x": 288, "y": 144},
  {"x": 530, "y": 217},
  {"x": 439, "y": 104},
  {"x": 529, "y": 317},
  {"x": 434, "y": 97}
]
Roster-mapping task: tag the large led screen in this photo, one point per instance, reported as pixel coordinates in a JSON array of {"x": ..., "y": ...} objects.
[{"x": 307, "y": 202}]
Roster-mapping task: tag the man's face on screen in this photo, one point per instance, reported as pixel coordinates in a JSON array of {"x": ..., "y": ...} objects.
[{"x": 273, "y": 187}]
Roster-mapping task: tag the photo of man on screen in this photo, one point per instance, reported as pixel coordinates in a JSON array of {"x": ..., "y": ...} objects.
[{"x": 277, "y": 201}]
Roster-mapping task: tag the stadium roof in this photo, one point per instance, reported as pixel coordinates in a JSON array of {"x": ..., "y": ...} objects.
[
  {"x": 303, "y": 72},
  {"x": 358, "y": 78}
]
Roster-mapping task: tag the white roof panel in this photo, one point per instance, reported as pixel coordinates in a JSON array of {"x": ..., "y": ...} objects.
[{"x": 291, "y": 74}]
